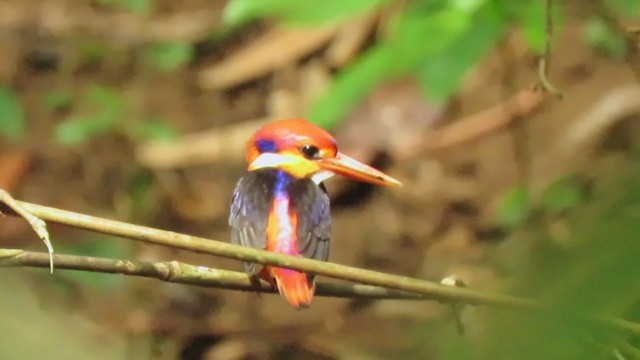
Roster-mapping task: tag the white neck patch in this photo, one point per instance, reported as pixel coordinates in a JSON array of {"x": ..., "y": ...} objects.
[
  {"x": 269, "y": 160},
  {"x": 321, "y": 176}
]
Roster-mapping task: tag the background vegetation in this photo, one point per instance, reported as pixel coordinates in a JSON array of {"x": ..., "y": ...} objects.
[{"x": 138, "y": 110}]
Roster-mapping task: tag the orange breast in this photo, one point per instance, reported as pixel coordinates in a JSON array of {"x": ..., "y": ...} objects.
[{"x": 282, "y": 235}]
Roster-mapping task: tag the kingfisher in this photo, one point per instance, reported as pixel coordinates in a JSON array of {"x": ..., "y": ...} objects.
[{"x": 281, "y": 204}]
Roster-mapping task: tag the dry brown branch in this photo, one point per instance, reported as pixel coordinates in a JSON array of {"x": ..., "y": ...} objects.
[
  {"x": 585, "y": 131},
  {"x": 228, "y": 143},
  {"x": 60, "y": 19},
  {"x": 278, "y": 47},
  {"x": 349, "y": 40},
  {"x": 218, "y": 144},
  {"x": 181, "y": 273},
  {"x": 484, "y": 122},
  {"x": 475, "y": 126}
]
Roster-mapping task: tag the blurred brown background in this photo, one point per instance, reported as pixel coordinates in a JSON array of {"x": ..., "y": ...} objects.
[{"x": 140, "y": 113}]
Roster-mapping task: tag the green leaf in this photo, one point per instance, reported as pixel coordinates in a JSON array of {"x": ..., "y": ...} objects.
[
  {"x": 141, "y": 6},
  {"x": 109, "y": 100},
  {"x": 91, "y": 50},
  {"x": 11, "y": 115},
  {"x": 420, "y": 34},
  {"x": 351, "y": 85},
  {"x": 170, "y": 56},
  {"x": 58, "y": 99},
  {"x": 296, "y": 11},
  {"x": 110, "y": 106},
  {"x": 417, "y": 35},
  {"x": 532, "y": 21},
  {"x": 441, "y": 74},
  {"x": 77, "y": 130},
  {"x": 142, "y": 198},
  {"x": 562, "y": 194},
  {"x": 514, "y": 207},
  {"x": 625, "y": 7},
  {"x": 154, "y": 129},
  {"x": 600, "y": 36}
]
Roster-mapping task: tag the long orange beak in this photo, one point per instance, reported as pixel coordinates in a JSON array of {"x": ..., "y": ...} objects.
[{"x": 346, "y": 166}]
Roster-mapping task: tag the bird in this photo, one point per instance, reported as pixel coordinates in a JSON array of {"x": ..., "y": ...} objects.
[{"x": 281, "y": 204}]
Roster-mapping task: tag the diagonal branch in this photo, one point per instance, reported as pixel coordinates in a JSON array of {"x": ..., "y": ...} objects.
[
  {"x": 182, "y": 273},
  {"x": 427, "y": 289}
]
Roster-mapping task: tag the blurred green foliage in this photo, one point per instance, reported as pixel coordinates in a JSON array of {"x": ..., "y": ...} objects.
[
  {"x": 34, "y": 327},
  {"x": 169, "y": 56},
  {"x": 626, "y": 7},
  {"x": 594, "y": 274},
  {"x": 435, "y": 40},
  {"x": 562, "y": 195},
  {"x": 602, "y": 37},
  {"x": 109, "y": 104},
  {"x": 11, "y": 114},
  {"x": 295, "y": 11},
  {"x": 142, "y": 6},
  {"x": 514, "y": 207},
  {"x": 58, "y": 99},
  {"x": 108, "y": 107}
]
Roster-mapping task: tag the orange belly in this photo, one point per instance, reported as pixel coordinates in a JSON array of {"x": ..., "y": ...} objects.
[{"x": 282, "y": 237}]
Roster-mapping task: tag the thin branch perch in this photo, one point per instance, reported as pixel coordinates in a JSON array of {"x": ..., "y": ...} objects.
[
  {"x": 207, "y": 246},
  {"x": 430, "y": 290},
  {"x": 182, "y": 273}
]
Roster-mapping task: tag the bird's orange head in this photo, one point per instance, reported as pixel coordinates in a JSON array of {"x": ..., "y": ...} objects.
[{"x": 307, "y": 151}]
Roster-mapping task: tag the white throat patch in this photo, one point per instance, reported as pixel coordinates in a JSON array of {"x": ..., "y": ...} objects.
[
  {"x": 321, "y": 176},
  {"x": 268, "y": 160}
]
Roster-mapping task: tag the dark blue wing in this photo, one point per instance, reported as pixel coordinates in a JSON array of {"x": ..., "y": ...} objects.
[
  {"x": 311, "y": 203},
  {"x": 251, "y": 203},
  {"x": 249, "y": 213}
]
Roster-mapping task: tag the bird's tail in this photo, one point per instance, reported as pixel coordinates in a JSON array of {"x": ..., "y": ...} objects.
[{"x": 294, "y": 286}]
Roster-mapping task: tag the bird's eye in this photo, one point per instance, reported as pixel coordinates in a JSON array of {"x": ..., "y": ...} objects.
[{"x": 310, "y": 151}]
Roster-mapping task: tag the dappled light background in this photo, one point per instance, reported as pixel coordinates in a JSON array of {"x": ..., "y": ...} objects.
[{"x": 520, "y": 164}]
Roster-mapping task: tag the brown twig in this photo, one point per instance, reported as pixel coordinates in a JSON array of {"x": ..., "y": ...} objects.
[
  {"x": 181, "y": 273},
  {"x": 272, "y": 50},
  {"x": 480, "y": 124},
  {"x": 60, "y": 19},
  {"x": 543, "y": 62},
  {"x": 217, "y": 144},
  {"x": 475, "y": 126}
]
